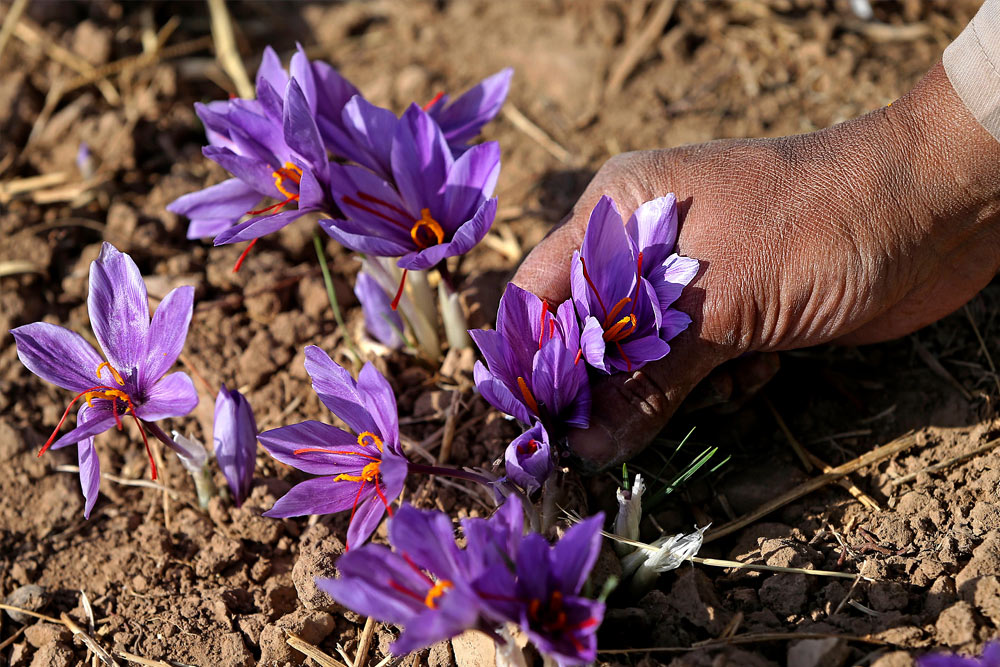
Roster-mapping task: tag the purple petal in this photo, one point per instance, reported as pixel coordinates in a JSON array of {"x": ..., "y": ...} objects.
[
  {"x": 301, "y": 133},
  {"x": 559, "y": 381},
  {"x": 638, "y": 351},
  {"x": 173, "y": 396},
  {"x": 301, "y": 71},
  {"x": 593, "y": 344},
  {"x": 574, "y": 555},
  {"x": 381, "y": 321},
  {"x": 533, "y": 567},
  {"x": 498, "y": 395},
  {"x": 366, "y": 519},
  {"x": 98, "y": 421},
  {"x": 320, "y": 495},
  {"x": 455, "y": 613},
  {"x": 235, "y": 434},
  {"x": 204, "y": 228},
  {"x": 271, "y": 70},
  {"x": 332, "y": 90},
  {"x": 669, "y": 281},
  {"x": 167, "y": 333},
  {"x": 343, "y": 232},
  {"x": 653, "y": 229},
  {"x": 580, "y": 288},
  {"x": 254, "y": 173},
  {"x": 471, "y": 180},
  {"x": 119, "y": 310},
  {"x": 371, "y": 129},
  {"x": 462, "y": 120},
  {"x": 606, "y": 255},
  {"x": 674, "y": 322},
  {"x": 428, "y": 538},
  {"x": 365, "y": 584},
  {"x": 282, "y": 443},
  {"x": 90, "y": 466},
  {"x": 227, "y": 201},
  {"x": 258, "y": 227},
  {"x": 420, "y": 156},
  {"x": 380, "y": 403},
  {"x": 57, "y": 355},
  {"x": 337, "y": 390}
]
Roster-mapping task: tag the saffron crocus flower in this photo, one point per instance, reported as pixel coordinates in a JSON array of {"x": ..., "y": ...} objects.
[
  {"x": 364, "y": 472},
  {"x": 235, "y": 434},
  {"x": 528, "y": 459},
  {"x": 424, "y": 584},
  {"x": 273, "y": 148},
  {"x": 436, "y": 206},
  {"x": 624, "y": 279},
  {"x": 381, "y": 321},
  {"x": 990, "y": 658},
  {"x": 461, "y": 120},
  {"x": 542, "y": 594},
  {"x": 133, "y": 381},
  {"x": 533, "y": 370}
]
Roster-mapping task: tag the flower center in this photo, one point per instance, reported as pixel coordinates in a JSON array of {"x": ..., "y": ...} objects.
[
  {"x": 368, "y": 474},
  {"x": 426, "y": 231},
  {"x": 294, "y": 174},
  {"x": 621, "y": 329},
  {"x": 436, "y": 591},
  {"x": 528, "y": 448},
  {"x": 549, "y": 615}
]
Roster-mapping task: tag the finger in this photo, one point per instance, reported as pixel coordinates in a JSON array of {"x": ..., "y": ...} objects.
[
  {"x": 733, "y": 383},
  {"x": 630, "y": 409},
  {"x": 545, "y": 271}
]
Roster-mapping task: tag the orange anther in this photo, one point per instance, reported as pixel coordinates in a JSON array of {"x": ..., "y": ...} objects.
[
  {"x": 421, "y": 227},
  {"x": 292, "y": 173},
  {"x": 115, "y": 374},
  {"x": 436, "y": 591},
  {"x": 366, "y": 438}
]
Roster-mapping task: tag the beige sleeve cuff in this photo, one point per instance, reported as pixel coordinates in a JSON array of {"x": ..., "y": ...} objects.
[{"x": 972, "y": 63}]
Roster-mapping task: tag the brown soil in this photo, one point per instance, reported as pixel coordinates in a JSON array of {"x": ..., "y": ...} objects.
[{"x": 167, "y": 581}]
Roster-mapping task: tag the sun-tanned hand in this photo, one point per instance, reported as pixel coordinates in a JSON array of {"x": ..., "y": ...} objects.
[{"x": 859, "y": 233}]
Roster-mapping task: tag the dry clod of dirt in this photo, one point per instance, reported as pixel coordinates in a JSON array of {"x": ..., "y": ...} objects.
[
  {"x": 957, "y": 624},
  {"x": 43, "y": 633},
  {"x": 474, "y": 649},
  {"x": 786, "y": 593},
  {"x": 53, "y": 655},
  {"x": 894, "y": 659},
  {"x": 693, "y": 597},
  {"x": 316, "y": 559}
]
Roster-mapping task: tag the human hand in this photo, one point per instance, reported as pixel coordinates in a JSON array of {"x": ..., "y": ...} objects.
[{"x": 859, "y": 233}]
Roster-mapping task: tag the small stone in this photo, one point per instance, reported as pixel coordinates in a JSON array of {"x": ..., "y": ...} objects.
[
  {"x": 829, "y": 652},
  {"x": 440, "y": 655},
  {"x": 30, "y": 597},
  {"x": 894, "y": 659},
  {"x": 957, "y": 624},
  {"x": 312, "y": 626}
]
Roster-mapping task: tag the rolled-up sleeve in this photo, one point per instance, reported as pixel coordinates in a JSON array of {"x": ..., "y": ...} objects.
[{"x": 972, "y": 63}]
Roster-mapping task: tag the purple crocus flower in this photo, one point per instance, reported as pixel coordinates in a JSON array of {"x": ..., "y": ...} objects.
[
  {"x": 463, "y": 119},
  {"x": 624, "y": 279},
  {"x": 990, "y": 658},
  {"x": 382, "y": 322},
  {"x": 134, "y": 380},
  {"x": 436, "y": 206},
  {"x": 533, "y": 370},
  {"x": 272, "y": 145},
  {"x": 542, "y": 593},
  {"x": 528, "y": 459},
  {"x": 363, "y": 473},
  {"x": 235, "y": 434},
  {"x": 424, "y": 584}
]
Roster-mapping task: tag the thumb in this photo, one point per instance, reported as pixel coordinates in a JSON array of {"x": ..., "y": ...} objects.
[{"x": 631, "y": 408}]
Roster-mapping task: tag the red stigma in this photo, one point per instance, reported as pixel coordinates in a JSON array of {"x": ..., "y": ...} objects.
[
  {"x": 593, "y": 287},
  {"x": 435, "y": 100},
  {"x": 243, "y": 256},
  {"x": 399, "y": 292},
  {"x": 541, "y": 333}
]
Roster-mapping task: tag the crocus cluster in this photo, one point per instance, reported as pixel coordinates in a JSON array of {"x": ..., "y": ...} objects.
[
  {"x": 435, "y": 590},
  {"x": 410, "y": 188},
  {"x": 625, "y": 280}
]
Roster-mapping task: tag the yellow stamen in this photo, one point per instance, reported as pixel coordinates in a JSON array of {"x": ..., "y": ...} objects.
[
  {"x": 435, "y": 592},
  {"x": 108, "y": 394},
  {"x": 528, "y": 397},
  {"x": 115, "y": 374},
  {"x": 292, "y": 173},
  {"x": 368, "y": 474},
  {"x": 426, "y": 222},
  {"x": 618, "y": 331},
  {"x": 374, "y": 439}
]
